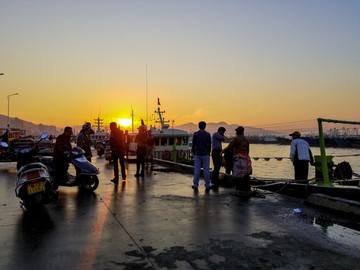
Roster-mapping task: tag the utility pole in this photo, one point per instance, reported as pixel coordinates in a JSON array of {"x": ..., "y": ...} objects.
[{"x": 8, "y": 98}]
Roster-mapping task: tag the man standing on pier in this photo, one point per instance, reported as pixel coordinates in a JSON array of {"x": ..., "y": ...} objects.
[
  {"x": 150, "y": 146},
  {"x": 140, "y": 140},
  {"x": 217, "y": 139},
  {"x": 117, "y": 151},
  {"x": 126, "y": 143},
  {"x": 300, "y": 155},
  {"x": 201, "y": 148},
  {"x": 242, "y": 168}
]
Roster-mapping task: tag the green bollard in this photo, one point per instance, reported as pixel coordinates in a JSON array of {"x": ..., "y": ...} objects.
[
  {"x": 319, "y": 169},
  {"x": 174, "y": 154}
]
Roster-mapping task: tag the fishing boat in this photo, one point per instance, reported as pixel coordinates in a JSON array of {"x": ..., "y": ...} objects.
[{"x": 170, "y": 143}]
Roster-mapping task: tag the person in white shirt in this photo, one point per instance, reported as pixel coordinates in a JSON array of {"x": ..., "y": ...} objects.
[{"x": 300, "y": 156}]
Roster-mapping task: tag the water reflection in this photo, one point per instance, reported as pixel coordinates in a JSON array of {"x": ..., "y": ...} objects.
[
  {"x": 32, "y": 233},
  {"x": 280, "y": 166},
  {"x": 347, "y": 233}
]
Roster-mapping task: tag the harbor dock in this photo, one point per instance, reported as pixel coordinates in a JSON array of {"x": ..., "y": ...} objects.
[{"x": 159, "y": 222}]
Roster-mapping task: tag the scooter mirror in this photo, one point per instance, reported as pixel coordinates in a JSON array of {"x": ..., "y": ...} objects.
[
  {"x": 44, "y": 135},
  {"x": 4, "y": 144}
]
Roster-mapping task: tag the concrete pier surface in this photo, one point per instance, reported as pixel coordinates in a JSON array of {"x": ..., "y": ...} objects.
[{"x": 159, "y": 222}]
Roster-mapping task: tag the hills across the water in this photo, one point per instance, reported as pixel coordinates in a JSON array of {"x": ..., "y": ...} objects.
[
  {"x": 36, "y": 129},
  {"x": 230, "y": 129}
]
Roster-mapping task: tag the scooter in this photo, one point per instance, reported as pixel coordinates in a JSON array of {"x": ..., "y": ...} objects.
[
  {"x": 100, "y": 148},
  {"x": 7, "y": 153},
  {"x": 86, "y": 173},
  {"x": 34, "y": 186}
]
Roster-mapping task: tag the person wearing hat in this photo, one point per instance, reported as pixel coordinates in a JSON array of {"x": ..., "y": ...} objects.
[
  {"x": 91, "y": 130},
  {"x": 117, "y": 151},
  {"x": 300, "y": 156},
  {"x": 242, "y": 168},
  {"x": 84, "y": 140}
]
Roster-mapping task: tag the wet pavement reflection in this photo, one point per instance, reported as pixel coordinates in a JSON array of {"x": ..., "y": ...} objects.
[{"x": 159, "y": 222}]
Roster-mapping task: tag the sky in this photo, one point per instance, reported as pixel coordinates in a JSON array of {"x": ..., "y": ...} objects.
[{"x": 249, "y": 62}]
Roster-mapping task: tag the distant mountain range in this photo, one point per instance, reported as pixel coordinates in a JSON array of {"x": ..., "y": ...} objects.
[
  {"x": 230, "y": 129},
  {"x": 37, "y": 129},
  {"x": 31, "y": 128}
]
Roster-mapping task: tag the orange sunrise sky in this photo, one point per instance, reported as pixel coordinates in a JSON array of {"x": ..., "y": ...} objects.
[{"x": 253, "y": 63}]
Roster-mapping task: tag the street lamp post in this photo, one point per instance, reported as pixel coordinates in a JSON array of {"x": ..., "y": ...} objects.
[{"x": 8, "y": 98}]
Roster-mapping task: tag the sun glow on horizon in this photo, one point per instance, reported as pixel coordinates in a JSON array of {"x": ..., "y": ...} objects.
[{"x": 124, "y": 122}]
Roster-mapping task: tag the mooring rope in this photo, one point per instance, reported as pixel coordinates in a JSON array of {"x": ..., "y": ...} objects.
[{"x": 281, "y": 158}]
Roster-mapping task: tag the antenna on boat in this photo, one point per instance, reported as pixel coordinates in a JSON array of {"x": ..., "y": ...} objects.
[
  {"x": 99, "y": 123},
  {"x": 147, "y": 117},
  {"x": 132, "y": 119},
  {"x": 161, "y": 120}
]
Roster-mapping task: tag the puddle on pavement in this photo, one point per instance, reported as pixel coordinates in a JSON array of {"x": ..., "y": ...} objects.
[
  {"x": 162, "y": 169},
  {"x": 341, "y": 229},
  {"x": 349, "y": 233}
]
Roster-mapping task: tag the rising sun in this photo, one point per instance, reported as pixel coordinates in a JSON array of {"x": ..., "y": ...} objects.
[{"x": 124, "y": 122}]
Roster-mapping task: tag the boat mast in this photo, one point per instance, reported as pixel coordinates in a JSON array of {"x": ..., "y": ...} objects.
[
  {"x": 99, "y": 123},
  {"x": 147, "y": 117},
  {"x": 132, "y": 120},
  {"x": 161, "y": 119}
]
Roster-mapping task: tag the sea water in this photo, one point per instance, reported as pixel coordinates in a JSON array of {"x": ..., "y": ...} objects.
[{"x": 272, "y": 160}]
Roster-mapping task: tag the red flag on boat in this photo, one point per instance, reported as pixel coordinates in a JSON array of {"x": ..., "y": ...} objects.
[{"x": 159, "y": 101}]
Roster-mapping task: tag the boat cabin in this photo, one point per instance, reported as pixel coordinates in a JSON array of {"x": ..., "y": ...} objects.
[
  {"x": 166, "y": 142},
  {"x": 99, "y": 137}
]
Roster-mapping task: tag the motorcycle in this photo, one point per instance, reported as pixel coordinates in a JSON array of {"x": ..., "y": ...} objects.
[
  {"x": 100, "y": 148},
  {"x": 34, "y": 186},
  {"x": 7, "y": 153},
  {"x": 86, "y": 173},
  {"x": 108, "y": 152}
]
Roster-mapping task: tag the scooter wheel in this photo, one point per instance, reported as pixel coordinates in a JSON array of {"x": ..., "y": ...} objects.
[{"x": 89, "y": 183}]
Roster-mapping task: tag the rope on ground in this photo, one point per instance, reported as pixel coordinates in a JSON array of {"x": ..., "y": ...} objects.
[
  {"x": 269, "y": 179},
  {"x": 353, "y": 155},
  {"x": 256, "y": 193},
  {"x": 128, "y": 233},
  {"x": 305, "y": 181}
]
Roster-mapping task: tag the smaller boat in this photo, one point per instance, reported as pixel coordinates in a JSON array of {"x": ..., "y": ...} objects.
[{"x": 99, "y": 135}]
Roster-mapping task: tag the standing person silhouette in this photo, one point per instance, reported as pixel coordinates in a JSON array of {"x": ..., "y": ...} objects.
[
  {"x": 126, "y": 143},
  {"x": 150, "y": 146},
  {"x": 216, "y": 142},
  {"x": 201, "y": 148},
  {"x": 117, "y": 151},
  {"x": 242, "y": 168},
  {"x": 140, "y": 140},
  {"x": 300, "y": 156}
]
